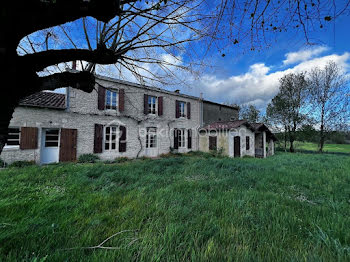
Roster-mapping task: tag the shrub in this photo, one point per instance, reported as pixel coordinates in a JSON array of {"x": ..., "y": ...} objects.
[
  {"x": 121, "y": 159},
  {"x": 22, "y": 163},
  {"x": 88, "y": 158},
  {"x": 217, "y": 153},
  {"x": 109, "y": 162}
]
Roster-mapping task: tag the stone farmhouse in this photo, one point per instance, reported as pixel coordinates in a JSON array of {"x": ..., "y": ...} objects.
[{"x": 124, "y": 119}]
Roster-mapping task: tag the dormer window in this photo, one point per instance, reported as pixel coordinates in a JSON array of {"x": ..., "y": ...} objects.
[{"x": 111, "y": 99}]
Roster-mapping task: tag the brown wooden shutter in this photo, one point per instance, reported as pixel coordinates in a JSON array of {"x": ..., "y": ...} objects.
[
  {"x": 176, "y": 139},
  {"x": 98, "y": 139},
  {"x": 177, "y": 108},
  {"x": 68, "y": 145},
  {"x": 189, "y": 138},
  {"x": 101, "y": 98},
  {"x": 189, "y": 110},
  {"x": 145, "y": 104},
  {"x": 29, "y": 138},
  {"x": 160, "y": 106},
  {"x": 122, "y": 139},
  {"x": 212, "y": 143},
  {"x": 121, "y": 100}
]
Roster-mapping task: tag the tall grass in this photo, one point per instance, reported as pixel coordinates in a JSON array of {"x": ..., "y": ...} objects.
[{"x": 292, "y": 207}]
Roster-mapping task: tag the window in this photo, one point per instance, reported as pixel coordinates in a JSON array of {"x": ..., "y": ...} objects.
[
  {"x": 110, "y": 138},
  {"x": 181, "y": 138},
  {"x": 13, "y": 137},
  {"x": 51, "y": 137},
  {"x": 182, "y": 106},
  {"x": 151, "y": 137},
  {"x": 152, "y": 105},
  {"x": 247, "y": 143},
  {"x": 111, "y": 99}
]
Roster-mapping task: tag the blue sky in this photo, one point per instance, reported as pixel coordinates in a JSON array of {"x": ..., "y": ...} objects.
[{"x": 252, "y": 77}]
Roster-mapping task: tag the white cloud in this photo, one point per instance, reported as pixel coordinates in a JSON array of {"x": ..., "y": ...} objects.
[
  {"x": 303, "y": 55},
  {"x": 260, "y": 84}
]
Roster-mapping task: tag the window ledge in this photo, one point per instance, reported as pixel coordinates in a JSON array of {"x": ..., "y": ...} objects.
[{"x": 111, "y": 112}]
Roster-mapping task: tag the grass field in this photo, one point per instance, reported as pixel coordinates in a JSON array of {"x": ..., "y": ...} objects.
[
  {"x": 330, "y": 148},
  {"x": 289, "y": 207}
]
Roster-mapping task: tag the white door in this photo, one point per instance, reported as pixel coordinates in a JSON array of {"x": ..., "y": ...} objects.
[
  {"x": 49, "y": 146},
  {"x": 151, "y": 142}
]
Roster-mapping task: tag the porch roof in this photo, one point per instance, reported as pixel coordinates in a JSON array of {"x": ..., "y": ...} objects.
[{"x": 262, "y": 127}]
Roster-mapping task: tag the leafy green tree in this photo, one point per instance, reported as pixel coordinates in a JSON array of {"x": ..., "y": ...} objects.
[
  {"x": 307, "y": 133},
  {"x": 250, "y": 113}
]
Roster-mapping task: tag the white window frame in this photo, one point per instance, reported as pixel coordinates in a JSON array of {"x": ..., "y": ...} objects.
[
  {"x": 182, "y": 109},
  {"x": 110, "y": 141},
  {"x": 152, "y": 105},
  {"x": 151, "y": 136},
  {"x": 182, "y": 138},
  {"x": 109, "y": 95},
  {"x": 19, "y": 138}
]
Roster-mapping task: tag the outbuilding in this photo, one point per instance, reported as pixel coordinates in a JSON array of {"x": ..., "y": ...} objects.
[{"x": 237, "y": 139}]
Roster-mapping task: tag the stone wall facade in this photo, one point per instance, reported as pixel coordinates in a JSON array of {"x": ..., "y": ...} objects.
[
  {"x": 225, "y": 141},
  {"x": 83, "y": 114},
  {"x": 213, "y": 112}
]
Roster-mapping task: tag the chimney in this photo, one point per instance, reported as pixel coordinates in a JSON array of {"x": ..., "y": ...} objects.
[{"x": 201, "y": 96}]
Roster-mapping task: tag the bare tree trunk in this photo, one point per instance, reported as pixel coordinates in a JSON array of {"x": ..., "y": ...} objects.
[
  {"x": 291, "y": 141},
  {"x": 285, "y": 138},
  {"x": 291, "y": 147},
  {"x": 322, "y": 136}
]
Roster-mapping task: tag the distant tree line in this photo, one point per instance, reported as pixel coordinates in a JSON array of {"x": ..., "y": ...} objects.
[{"x": 308, "y": 133}]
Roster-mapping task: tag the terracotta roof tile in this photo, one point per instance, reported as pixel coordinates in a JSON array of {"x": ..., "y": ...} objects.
[{"x": 45, "y": 99}]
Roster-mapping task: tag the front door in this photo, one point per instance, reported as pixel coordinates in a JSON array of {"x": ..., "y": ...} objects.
[
  {"x": 49, "y": 145},
  {"x": 151, "y": 142},
  {"x": 237, "y": 146},
  {"x": 68, "y": 145}
]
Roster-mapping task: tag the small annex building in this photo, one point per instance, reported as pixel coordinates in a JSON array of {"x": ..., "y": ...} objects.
[{"x": 237, "y": 138}]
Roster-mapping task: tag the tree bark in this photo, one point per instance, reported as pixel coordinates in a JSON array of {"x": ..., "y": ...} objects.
[
  {"x": 322, "y": 136},
  {"x": 285, "y": 138},
  {"x": 291, "y": 141}
]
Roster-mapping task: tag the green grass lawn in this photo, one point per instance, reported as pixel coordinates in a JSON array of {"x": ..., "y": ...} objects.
[
  {"x": 332, "y": 148},
  {"x": 339, "y": 148},
  {"x": 289, "y": 207}
]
